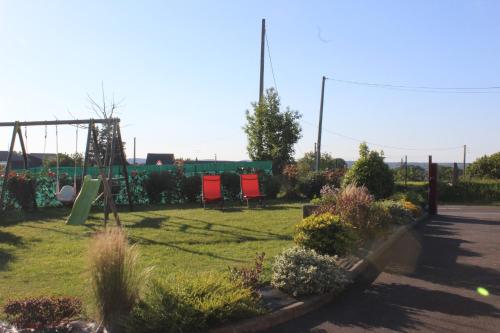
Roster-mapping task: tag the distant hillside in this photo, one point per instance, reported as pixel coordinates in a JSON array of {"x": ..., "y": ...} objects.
[{"x": 137, "y": 160}]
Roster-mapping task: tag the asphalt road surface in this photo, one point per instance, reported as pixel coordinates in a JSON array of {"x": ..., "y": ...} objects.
[{"x": 427, "y": 283}]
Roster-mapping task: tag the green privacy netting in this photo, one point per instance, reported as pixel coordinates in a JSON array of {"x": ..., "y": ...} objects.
[
  {"x": 138, "y": 174},
  {"x": 189, "y": 169}
]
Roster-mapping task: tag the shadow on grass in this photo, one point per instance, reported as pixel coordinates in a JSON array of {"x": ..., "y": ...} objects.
[
  {"x": 15, "y": 217},
  {"x": 5, "y": 258},
  {"x": 10, "y": 238},
  {"x": 6, "y": 255},
  {"x": 147, "y": 241},
  {"x": 149, "y": 222},
  {"x": 236, "y": 232}
]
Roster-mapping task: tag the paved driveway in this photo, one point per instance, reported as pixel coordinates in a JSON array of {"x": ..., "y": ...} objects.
[{"x": 428, "y": 283}]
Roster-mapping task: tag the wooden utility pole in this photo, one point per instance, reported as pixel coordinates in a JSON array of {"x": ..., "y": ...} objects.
[
  {"x": 465, "y": 156},
  {"x": 262, "y": 54},
  {"x": 406, "y": 172},
  {"x": 134, "y": 151},
  {"x": 320, "y": 124}
]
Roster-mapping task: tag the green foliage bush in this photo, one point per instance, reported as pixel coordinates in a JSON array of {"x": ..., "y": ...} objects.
[
  {"x": 327, "y": 162},
  {"x": 470, "y": 191},
  {"x": 270, "y": 185},
  {"x": 22, "y": 188},
  {"x": 379, "y": 221},
  {"x": 158, "y": 184},
  {"x": 485, "y": 167},
  {"x": 415, "y": 173},
  {"x": 300, "y": 272},
  {"x": 42, "y": 312},
  {"x": 310, "y": 184},
  {"x": 398, "y": 213},
  {"x": 326, "y": 234},
  {"x": 192, "y": 304},
  {"x": 416, "y": 195},
  {"x": 371, "y": 171},
  {"x": 230, "y": 185},
  {"x": 191, "y": 187}
]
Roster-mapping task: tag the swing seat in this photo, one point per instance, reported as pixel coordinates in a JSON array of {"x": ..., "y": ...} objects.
[{"x": 66, "y": 194}]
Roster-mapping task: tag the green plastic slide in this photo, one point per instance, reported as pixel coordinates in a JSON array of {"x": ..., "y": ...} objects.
[{"x": 84, "y": 200}]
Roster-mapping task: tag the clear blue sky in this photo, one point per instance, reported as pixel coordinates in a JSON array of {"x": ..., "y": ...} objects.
[{"x": 188, "y": 70}]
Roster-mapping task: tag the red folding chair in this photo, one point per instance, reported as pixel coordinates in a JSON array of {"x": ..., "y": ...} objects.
[
  {"x": 250, "y": 188},
  {"x": 211, "y": 190}
]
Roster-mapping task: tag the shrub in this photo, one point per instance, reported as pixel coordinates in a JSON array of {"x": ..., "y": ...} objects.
[
  {"x": 249, "y": 276},
  {"x": 485, "y": 167},
  {"x": 334, "y": 177},
  {"x": 270, "y": 185},
  {"x": 399, "y": 214},
  {"x": 230, "y": 182},
  {"x": 353, "y": 205},
  {"x": 299, "y": 272},
  {"x": 412, "y": 208},
  {"x": 327, "y": 196},
  {"x": 379, "y": 221},
  {"x": 371, "y": 171},
  {"x": 470, "y": 191},
  {"x": 412, "y": 172},
  {"x": 42, "y": 312},
  {"x": 290, "y": 181},
  {"x": 192, "y": 304},
  {"x": 191, "y": 188},
  {"x": 310, "y": 184},
  {"x": 416, "y": 195},
  {"x": 22, "y": 187},
  {"x": 326, "y": 234},
  {"x": 164, "y": 187},
  {"x": 115, "y": 277}
]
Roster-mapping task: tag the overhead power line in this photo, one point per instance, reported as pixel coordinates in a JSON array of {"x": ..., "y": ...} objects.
[
  {"x": 271, "y": 63},
  {"x": 384, "y": 145},
  {"x": 427, "y": 89}
]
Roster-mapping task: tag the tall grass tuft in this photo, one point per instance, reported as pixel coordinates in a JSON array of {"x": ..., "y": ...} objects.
[{"x": 115, "y": 277}]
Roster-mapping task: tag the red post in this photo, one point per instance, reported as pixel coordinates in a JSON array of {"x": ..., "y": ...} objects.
[{"x": 433, "y": 178}]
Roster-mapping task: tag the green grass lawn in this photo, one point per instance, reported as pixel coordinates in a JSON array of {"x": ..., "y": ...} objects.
[{"x": 40, "y": 255}]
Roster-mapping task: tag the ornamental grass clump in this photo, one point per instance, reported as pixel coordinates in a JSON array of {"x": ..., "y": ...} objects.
[
  {"x": 115, "y": 277},
  {"x": 299, "y": 272}
]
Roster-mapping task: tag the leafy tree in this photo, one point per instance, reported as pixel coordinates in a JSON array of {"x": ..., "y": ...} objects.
[
  {"x": 327, "y": 162},
  {"x": 415, "y": 173},
  {"x": 445, "y": 173},
  {"x": 272, "y": 133},
  {"x": 371, "y": 171},
  {"x": 485, "y": 167},
  {"x": 65, "y": 160}
]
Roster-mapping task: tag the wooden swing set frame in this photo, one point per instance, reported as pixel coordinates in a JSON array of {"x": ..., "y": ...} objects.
[{"x": 92, "y": 142}]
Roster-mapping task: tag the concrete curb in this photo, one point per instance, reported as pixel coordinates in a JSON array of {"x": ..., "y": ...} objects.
[{"x": 297, "y": 309}]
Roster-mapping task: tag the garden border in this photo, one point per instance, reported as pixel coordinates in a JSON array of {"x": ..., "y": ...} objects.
[{"x": 300, "y": 308}]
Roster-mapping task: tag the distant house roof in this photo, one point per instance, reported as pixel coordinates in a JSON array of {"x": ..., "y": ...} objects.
[
  {"x": 165, "y": 159},
  {"x": 18, "y": 161},
  {"x": 15, "y": 157},
  {"x": 44, "y": 156}
]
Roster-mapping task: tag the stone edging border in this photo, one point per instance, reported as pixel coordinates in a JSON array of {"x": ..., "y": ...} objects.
[{"x": 300, "y": 308}]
